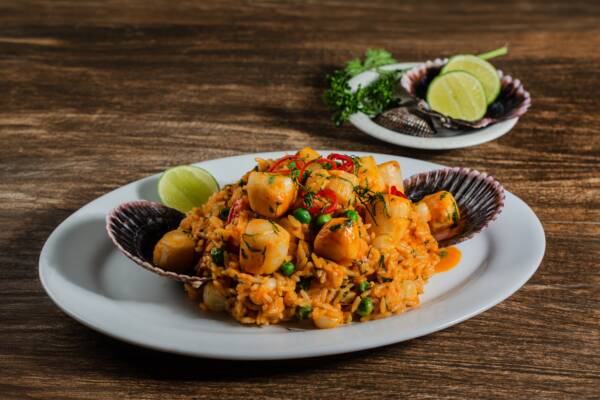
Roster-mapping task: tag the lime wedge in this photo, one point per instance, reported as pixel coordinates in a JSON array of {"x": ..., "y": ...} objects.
[
  {"x": 458, "y": 95},
  {"x": 480, "y": 69},
  {"x": 185, "y": 187}
]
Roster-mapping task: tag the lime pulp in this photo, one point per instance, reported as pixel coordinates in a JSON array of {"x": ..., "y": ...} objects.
[
  {"x": 185, "y": 187},
  {"x": 482, "y": 70},
  {"x": 458, "y": 95}
]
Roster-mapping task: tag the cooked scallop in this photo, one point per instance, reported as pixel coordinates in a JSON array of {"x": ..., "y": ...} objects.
[
  {"x": 174, "y": 252},
  {"x": 369, "y": 175},
  {"x": 270, "y": 195},
  {"x": 308, "y": 154},
  {"x": 342, "y": 184},
  {"x": 443, "y": 213},
  {"x": 389, "y": 215},
  {"x": 391, "y": 173},
  {"x": 264, "y": 247},
  {"x": 327, "y": 318},
  {"x": 317, "y": 180},
  {"x": 212, "y": 298},
  {"x": 339, "y": 240}
]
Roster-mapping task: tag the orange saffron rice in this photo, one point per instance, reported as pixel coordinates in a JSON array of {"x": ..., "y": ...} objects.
[{"x": 385, "y": 277}]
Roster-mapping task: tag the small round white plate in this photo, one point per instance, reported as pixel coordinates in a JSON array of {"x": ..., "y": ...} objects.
[
  {"x": 444, "y": 139},
  {"x": 90, "y": 280}
]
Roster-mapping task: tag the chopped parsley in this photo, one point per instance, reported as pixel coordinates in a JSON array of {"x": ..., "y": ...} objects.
[
  {"x": 335, "y": 227},
  {"x": 347, "y": 223},
  {"x": 308, "y": 199},
  {"x": 249, "y": 246},
  {"x": 455, "y": 216},
  {"x": 275, "y": 227},
  {"x": 382, "y": 262}
]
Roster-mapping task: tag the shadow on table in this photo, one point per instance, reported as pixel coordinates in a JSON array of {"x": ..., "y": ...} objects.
[{"x": 139, "y": 362}]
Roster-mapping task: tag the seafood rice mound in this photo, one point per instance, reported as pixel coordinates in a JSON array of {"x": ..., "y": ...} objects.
[{"x": 333, "y": 240}]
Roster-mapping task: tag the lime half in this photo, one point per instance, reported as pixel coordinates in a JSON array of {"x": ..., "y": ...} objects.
[
  {"x": 458, "y": 95},
  {"x": 185, "y": 187},
  {"x": 480, "y": 69}
]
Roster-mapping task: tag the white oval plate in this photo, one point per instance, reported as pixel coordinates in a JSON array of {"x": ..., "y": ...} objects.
[
  {"x": 90, "y": 280},
  {"x": 444, "y": 139}
]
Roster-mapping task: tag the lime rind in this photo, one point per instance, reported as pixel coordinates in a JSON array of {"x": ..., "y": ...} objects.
[
  {"x": 484, "y": 71},
  {"x": 459, "y": 95},
  {"x": 184, "y": 187}
]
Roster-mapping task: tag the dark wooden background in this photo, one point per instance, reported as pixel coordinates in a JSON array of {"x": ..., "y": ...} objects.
[{"x": 94, "y": 95}]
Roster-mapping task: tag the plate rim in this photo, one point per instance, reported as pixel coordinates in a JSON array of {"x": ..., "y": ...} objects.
[
  {"x": 366, "y": 125},
  {"x": 339, "y": 348}
]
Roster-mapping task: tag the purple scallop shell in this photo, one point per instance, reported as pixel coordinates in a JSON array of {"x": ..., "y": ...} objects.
[
  {"x": 135, "y": 228},
  {"x": 513, "y": 97},
  {"x": 480, "y": 198}
]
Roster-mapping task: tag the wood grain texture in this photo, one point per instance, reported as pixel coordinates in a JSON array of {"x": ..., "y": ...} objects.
[{"x": 98, "y": 94}]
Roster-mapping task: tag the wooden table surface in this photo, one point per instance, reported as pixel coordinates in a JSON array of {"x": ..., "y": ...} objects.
[{"x": 98, "y": 94}]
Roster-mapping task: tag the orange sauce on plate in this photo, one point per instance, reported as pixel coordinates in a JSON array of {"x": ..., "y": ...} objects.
[{"x": 449, "y": 258}]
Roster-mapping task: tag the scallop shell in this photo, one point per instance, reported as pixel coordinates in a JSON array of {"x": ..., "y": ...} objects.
[
  {"x": 135, "y": 227},
  {"x": 403, "y": 120},
  {"x": 480, "y": 198},
  {"x": 513, "y": 100}
]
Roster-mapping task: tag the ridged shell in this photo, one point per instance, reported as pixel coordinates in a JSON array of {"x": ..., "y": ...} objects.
[
  {"x": 514, "y": 99},
  {"x": 480, "y": 198},
  {"x": 401, "y": 120},
  {"x": 135, "y": 228}
]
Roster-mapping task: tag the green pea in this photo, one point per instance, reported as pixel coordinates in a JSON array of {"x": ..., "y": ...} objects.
[
  {"x": 224, "y": 213},
  {"x": 323, "y": 219},
  {"x": 365, "y": 307},
  {"x": 218, "y": 256},
  {"x": 287, "y": 268},
  {"x": 363, "y": 286},
  {"x": 352, "y": 215},
  {"x": 302, "y": 215},
  {"x": 303, "y": 312}
]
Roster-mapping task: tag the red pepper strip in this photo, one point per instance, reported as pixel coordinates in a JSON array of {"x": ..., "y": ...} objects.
[
  {"x": 318, "y": 160},
  {"x": 282, "y": 160},
  {"x": 234, "y": 211},
  {"x": 395, "y": 192},
  {"x": 347, "y": 162},
  {"x": 329, "y": 194}
]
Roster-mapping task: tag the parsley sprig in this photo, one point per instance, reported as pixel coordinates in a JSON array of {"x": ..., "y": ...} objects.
[
  {"x": 372, "y": 99},
  {"x": 374, "y": 58}
]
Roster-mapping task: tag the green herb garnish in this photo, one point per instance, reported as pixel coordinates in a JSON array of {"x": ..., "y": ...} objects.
[
  {"x": 455, "y": 217},
  {"x": 249, "y": 246},
  {"x": 308, "y": 199},
  {"x": 335, "y": 227},
  {"x": 371, "y": 100},
  {"x": 374, "y": 58}
]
